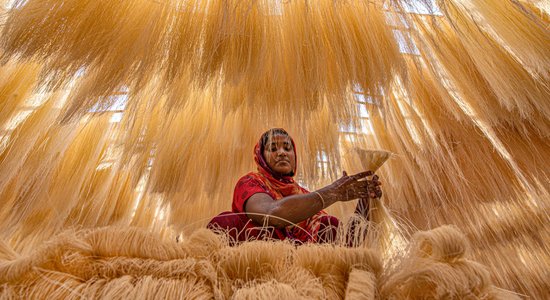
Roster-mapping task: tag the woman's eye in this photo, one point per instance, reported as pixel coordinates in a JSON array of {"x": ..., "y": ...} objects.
[{"x": 273, "y": 149}]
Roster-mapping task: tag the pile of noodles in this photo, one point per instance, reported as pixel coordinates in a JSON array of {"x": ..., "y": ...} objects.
[{"x": 117, "y": 263}]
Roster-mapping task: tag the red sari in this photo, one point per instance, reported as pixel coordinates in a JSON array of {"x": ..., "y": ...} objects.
[{"x": 320, "y": 227}]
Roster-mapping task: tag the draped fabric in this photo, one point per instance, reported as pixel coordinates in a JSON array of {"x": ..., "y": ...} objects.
[{"x": 277, "y": 187}]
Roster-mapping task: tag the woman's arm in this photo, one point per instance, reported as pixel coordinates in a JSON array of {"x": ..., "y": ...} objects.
[
  {"x": 296, "y": 208},
  {"x": 286, "y": 211}
]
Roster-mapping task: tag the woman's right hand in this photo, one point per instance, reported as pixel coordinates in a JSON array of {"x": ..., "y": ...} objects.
[{"x": 349, "y": 187}]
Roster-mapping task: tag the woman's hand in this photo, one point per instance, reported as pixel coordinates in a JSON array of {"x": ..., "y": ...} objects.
[
  {"x": 374, "y": 187},
  {"x": 352, "y": 187}
]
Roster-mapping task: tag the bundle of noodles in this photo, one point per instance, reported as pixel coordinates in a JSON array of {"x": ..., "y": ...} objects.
[
  {"x": 17, "y": 82},
  {"x": 244, "y": 271},
  {"x": 116, "y": 43},
  {"x": 383, "y": 232},
  {"x": 270, "y": 290},
  {"x": 435, "y": 268},
  {"x": 361, "y": 285},
  {"x": 528, "y": 38},
  {"x": 515, "y": 88},
  {"x": 6, "y": 252},
  {"x": 539, "y": 8},
  {"x": 333, "y": 264},
  {"x": 25, "y": 136},
  {"x": 23, "y": 205}
]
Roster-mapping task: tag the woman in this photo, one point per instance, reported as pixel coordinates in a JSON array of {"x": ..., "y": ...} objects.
[{"x": 269, "y": 204}]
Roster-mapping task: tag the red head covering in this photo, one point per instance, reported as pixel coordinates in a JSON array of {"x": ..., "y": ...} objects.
[
  {"x": 278, "y": 186},
  {"x": 282, "y": 184}
]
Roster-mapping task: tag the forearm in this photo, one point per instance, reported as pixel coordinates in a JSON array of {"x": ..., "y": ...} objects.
[
  {"x": 296, "y": 208},
  {"x": 262, "y": 208}
]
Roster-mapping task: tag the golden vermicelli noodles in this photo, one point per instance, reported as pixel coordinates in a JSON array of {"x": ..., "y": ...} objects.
[
  {"x": 145, "y": 113},
  {"x": 89, "y": 263}
]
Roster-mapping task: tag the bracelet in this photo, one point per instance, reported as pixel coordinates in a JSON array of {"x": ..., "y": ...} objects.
[{"x": 321, "y": 197}]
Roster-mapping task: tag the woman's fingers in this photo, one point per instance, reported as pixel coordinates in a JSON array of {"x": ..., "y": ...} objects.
[
  {"x": 374, "y": 188},
  {"x": 371, "y": 193},
  {"x": 352, "y": 187},
  {"x": 362, "y": 175},
  {"x": 366, "y": 184}
]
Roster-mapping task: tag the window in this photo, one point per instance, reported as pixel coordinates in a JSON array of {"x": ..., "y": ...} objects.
[
  {"x": 401, "y": 27},
  {"x": 322, "y": 163}
]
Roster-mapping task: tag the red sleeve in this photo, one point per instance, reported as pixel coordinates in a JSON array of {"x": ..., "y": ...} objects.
[{"x": 245, "y": 188}]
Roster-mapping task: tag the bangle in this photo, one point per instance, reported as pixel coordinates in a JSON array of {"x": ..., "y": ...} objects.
[{"x": 322, "y": 200}]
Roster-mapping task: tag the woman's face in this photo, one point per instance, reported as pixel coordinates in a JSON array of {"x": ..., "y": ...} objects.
[{"x": 279, "y": 154}]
